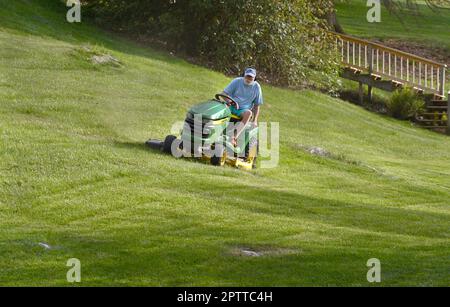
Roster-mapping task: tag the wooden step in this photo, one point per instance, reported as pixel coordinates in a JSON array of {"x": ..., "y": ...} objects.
[
  {"x": 397, "y": 83},
  {"x": 418, "y": 90},
  {"x": 429, "y": 120},
  {"x": 437, "y": 107},
  {"x": 438, "y": 97},
  {"x": 376, "y": 77},
  {"x": 437, "y": 113},
  {"x": 434, "y": 127},
  {"x": 438, "y": 103},
  {"x": 355, "y": 70}
]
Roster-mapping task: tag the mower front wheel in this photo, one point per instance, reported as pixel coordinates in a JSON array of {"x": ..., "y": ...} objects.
[{"x": 219, "y": 156}]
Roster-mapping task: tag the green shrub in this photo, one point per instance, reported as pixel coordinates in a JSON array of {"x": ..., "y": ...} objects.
[
  {"x": 444, "y": 118},
  {"x": 404, "y": 104},
  {"x": 286, "y": 40}
]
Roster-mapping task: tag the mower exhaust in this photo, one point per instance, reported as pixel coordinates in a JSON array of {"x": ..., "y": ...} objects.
[{"x": 155, "y": 144}]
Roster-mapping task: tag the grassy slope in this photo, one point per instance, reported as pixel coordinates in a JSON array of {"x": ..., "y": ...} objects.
[
  {"x": 73, "y": 174},
  {"x": 428, "y": 28}
]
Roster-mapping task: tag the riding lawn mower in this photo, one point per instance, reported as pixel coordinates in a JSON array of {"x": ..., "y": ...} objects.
[{"x": 208, "y": 132}]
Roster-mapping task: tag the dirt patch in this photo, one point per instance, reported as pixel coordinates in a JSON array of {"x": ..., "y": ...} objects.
[
  {"x": 242, "y": 251},
  {"x": 313, "y": 150},
  {"x": 95, "y": 56},
  {"x": 318, "y": 151},
  {"x": 105, "y": 59},
  {"x": 321, "y": 152}
]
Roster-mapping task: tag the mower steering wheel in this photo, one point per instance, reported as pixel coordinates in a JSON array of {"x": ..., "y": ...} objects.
[{"x": 227, "y": 100}]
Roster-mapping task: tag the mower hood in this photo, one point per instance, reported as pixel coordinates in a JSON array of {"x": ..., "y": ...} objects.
[{"x": 211, "y": 110}]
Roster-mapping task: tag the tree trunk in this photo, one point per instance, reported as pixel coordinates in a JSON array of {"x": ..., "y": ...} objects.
[{"x": 333, "y": 22}]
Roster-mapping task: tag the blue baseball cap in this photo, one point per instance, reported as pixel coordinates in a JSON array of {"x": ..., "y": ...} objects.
[{"x": 250, "y": 72}]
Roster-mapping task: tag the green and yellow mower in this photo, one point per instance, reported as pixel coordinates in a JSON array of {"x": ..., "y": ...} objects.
[{"x": 207, "y": 134}]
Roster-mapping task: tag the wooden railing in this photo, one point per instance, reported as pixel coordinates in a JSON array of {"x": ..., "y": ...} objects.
[{"x": 396, "y": 65}]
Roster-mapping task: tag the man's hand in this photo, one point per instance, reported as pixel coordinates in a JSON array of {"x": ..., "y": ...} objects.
[
  {"x": 227, "y": 100},
  {"x": 225, "y": 97}
]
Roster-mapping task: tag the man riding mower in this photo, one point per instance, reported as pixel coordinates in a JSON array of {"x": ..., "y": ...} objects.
[{"x": 225, "y": 129}]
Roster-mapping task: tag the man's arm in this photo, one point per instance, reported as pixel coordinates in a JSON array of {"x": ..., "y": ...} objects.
[
  {"x": 255, "y": 114},
  {"x": 225, "y": 93},
  {"x": 257, "y": 103}
]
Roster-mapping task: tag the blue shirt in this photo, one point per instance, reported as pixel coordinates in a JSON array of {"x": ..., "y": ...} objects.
[{"x": 245, "y": 95}]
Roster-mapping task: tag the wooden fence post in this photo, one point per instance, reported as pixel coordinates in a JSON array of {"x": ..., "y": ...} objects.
[
  {"x": 361, "y": 93},
  {"x": 442, "y": 81},
  {"x": 448, "y": 113},
  {"x": 370, "y": 51}
]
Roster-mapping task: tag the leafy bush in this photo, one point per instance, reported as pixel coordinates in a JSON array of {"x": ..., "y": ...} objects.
[
  {"x": 287, "y": 40},
  {"x": 405, "y": 104},
  {"x": 444, "y": 118}
]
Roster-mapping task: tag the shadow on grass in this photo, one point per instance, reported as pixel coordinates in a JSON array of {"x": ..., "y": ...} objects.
[
  {"x": 186, "y": 248},
  {"x": 387, "y": 220}
]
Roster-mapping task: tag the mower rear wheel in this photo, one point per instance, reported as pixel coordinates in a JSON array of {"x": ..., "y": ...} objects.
[
  {"x": 219, "y": 156},
  {"x": 167, "y": 146}
]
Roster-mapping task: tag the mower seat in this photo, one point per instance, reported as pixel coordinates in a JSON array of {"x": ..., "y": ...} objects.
[{"x": 235, "y": 118}]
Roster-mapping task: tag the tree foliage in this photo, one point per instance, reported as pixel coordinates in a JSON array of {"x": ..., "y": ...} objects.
[{"x": 287, "y": 40}]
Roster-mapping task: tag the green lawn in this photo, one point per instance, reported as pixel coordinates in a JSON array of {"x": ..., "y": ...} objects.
[
  {"x": 428, "y": 28},
  {"x": 75, "y": 175}
]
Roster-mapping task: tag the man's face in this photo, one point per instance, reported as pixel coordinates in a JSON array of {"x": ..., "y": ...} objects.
[{"x": 249, "y": 80}]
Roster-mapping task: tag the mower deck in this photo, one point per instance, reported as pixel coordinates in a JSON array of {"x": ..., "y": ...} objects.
[{"x": 234, "y": 162}]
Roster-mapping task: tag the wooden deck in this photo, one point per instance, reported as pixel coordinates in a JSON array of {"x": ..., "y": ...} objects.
[{"x": 389, "y": 69}]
